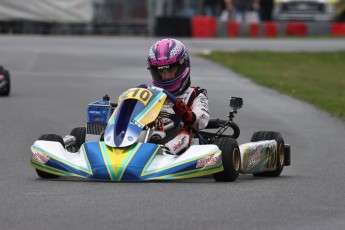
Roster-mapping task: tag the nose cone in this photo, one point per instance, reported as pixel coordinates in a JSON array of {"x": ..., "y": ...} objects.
[{"x": 122, "y": 138}]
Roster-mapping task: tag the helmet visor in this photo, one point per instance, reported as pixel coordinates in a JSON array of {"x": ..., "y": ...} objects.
[{"x": 167, "y": 72}]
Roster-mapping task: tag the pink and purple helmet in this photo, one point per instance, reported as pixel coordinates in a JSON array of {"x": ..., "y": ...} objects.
[{"x": 165, "y": 54}]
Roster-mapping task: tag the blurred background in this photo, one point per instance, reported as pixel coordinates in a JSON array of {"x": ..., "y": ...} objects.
[{"x": 185, "y": 18}]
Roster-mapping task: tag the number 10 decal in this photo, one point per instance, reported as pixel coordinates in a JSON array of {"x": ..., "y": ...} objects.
[{"x": 140, "y": 94}]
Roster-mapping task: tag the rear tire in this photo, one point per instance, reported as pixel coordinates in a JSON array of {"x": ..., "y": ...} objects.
[
  {"x": 79, "y": 133},
  {"x": 231, "y": 159},
  {"x": 49, "y": 137},
  {"x": 279, "y": 158}
]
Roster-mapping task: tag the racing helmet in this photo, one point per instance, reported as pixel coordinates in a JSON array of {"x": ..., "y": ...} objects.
[{"x": 166, "y": 55}]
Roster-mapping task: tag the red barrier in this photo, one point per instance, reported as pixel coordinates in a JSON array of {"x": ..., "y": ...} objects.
[
  {"x": 204, "y": 27},
  {"x": 338, "y": 29},
  {"x": 296, "y": 29},
  {"x": 253, "y": 29},
  {"x": 233, "y": 28},
  {"x": 270, "y": 29}
]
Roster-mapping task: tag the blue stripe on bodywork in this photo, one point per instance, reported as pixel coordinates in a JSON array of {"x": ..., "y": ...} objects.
[
  {"x": 124, "y": 164},
  {"x": 94, "y": 153},
  {"x": 141, "y": 156}
]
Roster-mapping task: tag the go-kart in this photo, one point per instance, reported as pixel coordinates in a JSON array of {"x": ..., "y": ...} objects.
[
  {"x": 119, "y": 143},
  {"x": 5, "y": 82}
]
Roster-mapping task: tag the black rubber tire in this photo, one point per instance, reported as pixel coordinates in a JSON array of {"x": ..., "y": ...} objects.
[
  {"x": 79, "y": 133},
  {"x": 7, "y": 77},
  {"x": 279, "y": 158},
  {"x": 49, "y": 137},
  {"x": 236, "y": 130},
  {"x": 231, "y": 159}
]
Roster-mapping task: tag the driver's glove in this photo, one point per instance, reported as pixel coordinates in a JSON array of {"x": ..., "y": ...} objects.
[{"x": 182, "y": 110}]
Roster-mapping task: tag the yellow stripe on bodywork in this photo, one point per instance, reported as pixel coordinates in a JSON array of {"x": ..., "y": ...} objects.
[
  {"x": 117, "y": 159},
  {"x": 86, "y": 170},
  {"x": 51, "y": 170},
  {"x": 152, "y": 110},
  {"x": 145, "y": 172},
  {"x": 191, "y": 173}
]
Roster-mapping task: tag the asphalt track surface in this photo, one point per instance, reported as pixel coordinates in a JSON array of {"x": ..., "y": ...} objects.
[{"x": 54, "y": 78}]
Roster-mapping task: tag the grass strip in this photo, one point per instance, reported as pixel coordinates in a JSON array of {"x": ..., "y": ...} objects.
[{"x": 315, "y": 77}]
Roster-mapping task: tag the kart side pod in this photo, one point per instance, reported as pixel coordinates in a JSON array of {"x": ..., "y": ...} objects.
[{"x": 263, "y": 156}]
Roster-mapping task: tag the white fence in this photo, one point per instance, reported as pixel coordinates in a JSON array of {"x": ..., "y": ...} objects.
[{"x": 62, "y": 11}]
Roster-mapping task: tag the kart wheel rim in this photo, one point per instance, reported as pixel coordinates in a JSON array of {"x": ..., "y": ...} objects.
[
  {"x": 236, "y": 159},
  {"x": 281, "y": 154}
]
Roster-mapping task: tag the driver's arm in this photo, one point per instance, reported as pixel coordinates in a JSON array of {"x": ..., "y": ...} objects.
[
  {"x": 200, "y": 109},
  {"x": 196, "y": 115}
]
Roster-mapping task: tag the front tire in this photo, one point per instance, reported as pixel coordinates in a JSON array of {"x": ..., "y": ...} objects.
[
  {"x": 49, "y": 137},
  {"x": 279, "y": 157},
  {"x": 231, "y": 159}
]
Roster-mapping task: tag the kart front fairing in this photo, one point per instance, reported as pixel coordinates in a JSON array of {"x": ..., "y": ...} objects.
[
  {"x": 138, "y": 162},
  {"x": 137, "y": 108}
]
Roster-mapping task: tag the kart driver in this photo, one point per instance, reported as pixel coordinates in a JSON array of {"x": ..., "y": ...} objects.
[{"x": 169, "y": 65}]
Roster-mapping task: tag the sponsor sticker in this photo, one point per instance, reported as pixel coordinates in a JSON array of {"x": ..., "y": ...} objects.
[
  {"x": 208, "y": 161},
  {"x": 98, "y": 114},
  {"x": 94, "y": 112},
  {"x": 137, "y": 124},
  {"x": 153, "y": 114},
  {"x": 254, "y": 159},
  {"x": 98, "y": 119},
  {"x": 163, "y": 67},
  {"x": 39, "y": 158}
]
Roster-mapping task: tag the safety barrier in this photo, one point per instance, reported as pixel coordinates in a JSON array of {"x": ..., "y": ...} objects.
[
  {"x": 338, "y": 29},
  {"x": 253, "y": 29},
  {"x": 206, "y": 27},
  {"x": 233, "y": 29},
  {"x": 296, "y": 29},
  {"x": 271, "y": 29}
]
